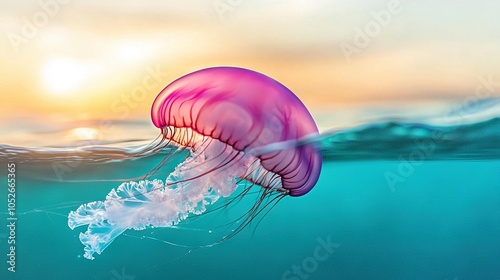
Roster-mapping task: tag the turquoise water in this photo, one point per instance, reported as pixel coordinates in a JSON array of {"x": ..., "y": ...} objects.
[{"x": 394, "y": 201}]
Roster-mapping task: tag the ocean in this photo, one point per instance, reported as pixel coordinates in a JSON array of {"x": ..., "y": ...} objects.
[{"x": 395, "y": 200}]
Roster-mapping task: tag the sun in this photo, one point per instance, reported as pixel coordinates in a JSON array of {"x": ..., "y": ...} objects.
[
  {"x": 84, "y": 133},
  {"x": 64, "y": 76}
]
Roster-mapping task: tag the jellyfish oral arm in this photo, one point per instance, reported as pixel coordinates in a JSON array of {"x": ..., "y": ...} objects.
[
  {"x": 137, "y": 205},
  {"x": 100, "y": 232}
]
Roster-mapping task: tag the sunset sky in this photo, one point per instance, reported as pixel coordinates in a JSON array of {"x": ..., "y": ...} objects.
[{"x": 77, "y": 62}]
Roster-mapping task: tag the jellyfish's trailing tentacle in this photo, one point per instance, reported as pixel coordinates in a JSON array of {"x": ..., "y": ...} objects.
[{"x": 137, "y": 205}]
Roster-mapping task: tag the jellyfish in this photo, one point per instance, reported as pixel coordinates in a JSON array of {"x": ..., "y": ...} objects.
[{"x": 237, "y": 125}]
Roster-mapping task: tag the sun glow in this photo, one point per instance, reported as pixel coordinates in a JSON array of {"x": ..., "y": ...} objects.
[
  {"x": 64, "y": 76},
  {"x": 84, "y": 133}
]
